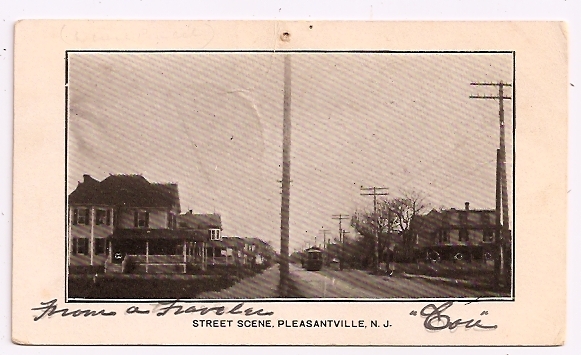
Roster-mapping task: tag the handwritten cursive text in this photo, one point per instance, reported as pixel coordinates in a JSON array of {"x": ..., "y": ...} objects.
[
  {"x": 437, "y": 320},
  {"x": 219, "y": 310},
  {"x": 50, "y": 309}
]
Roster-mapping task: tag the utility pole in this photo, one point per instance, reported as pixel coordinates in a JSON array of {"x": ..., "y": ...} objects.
[
  {"x": 497, "y": 230},
  {"x": 285, "y": 200},
  {"x": 340, "y": 217},
  {"x": 343, "y": 245},
  {"x": 325, "y": 231},
  {"x": 375, "y": 191},
  {"x": 280, "y": 182},
  {"x": 325, "y": 256},
  {"x": 505, "y": 237}
]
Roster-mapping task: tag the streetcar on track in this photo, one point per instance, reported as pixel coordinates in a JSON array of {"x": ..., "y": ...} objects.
[{"x": 312, "y": 259}]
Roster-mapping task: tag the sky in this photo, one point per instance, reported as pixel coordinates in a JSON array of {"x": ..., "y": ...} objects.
[{"x": 212, "y": 122}]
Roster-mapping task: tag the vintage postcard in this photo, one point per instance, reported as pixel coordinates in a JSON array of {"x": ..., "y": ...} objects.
[{"x": 290, "y": 183}]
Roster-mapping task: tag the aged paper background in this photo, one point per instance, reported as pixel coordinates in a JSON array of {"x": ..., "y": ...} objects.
[{"x": 536, "y": 317}]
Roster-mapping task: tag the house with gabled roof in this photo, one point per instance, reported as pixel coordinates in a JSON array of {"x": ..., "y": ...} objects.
[
  {"x": 127, "y": 218},
  {"x": 210, "y": 223},
  {"x": 454, "y": 233},
  {"x": 208, "y": 226}
]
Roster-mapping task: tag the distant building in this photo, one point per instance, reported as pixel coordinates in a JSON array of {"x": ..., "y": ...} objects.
[
  {"x": 221, "y": 250},
  {"x": 259, "y": 252},
  {"x": 453, "y": 234}
]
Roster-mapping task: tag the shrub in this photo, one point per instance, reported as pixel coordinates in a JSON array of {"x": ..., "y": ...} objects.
[{"x": 129, "y": 265}]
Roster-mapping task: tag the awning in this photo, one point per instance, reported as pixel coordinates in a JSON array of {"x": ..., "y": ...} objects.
[{"x": 165, "y": 234}]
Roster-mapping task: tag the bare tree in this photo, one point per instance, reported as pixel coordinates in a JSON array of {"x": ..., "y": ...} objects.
[
  {"x": 405, "y": 208},
  {"x": 394, "y": 216}
]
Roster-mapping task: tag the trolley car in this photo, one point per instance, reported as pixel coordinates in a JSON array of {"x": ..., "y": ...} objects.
[{"x": 312, "y": 259}]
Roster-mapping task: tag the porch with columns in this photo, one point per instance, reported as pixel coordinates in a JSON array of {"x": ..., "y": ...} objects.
[{"x": 156, "y": 251}]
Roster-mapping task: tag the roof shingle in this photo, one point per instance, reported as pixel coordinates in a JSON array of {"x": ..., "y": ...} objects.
[{"x": 125, "y": 190}]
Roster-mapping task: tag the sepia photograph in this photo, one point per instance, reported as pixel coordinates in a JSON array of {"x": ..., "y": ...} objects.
[{"x": 292, "y": 175}]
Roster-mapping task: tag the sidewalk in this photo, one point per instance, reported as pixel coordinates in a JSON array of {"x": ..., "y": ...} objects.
[
  {"x": 263, "y": 285},
  {"x": 475, "y": 273},
  {"x": 446, "y": 279},
  {"x": 484, "y": 284}
]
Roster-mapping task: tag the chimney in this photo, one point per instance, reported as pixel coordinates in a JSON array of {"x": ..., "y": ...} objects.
[
  {"x": 86, "y": 177},
  {"x": 467, "y": 205}
]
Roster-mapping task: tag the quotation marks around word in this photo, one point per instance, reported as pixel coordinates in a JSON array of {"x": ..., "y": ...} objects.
[{"x": 415, "y": 313}]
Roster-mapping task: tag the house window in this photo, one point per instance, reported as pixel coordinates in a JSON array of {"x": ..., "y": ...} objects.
[
  {"x": 488, "y": 236},
  {"x": 215, "y": 234},
  {"x": 100, "y": 246},
  {"x": 464, "y": 236},
  {"x": 463, "y": 217},
  {"x": 436, "y": 237},
  {"x": 81, "y": 246},
  {"x": 81, "y": 216},
  {"x": 171, "y": 221},
  {"x": 141, "y": 219},
  {"x": 445, "y": 236},
  {"x": 103, "y": 217},
  {"x": 485, "y": 219}
]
